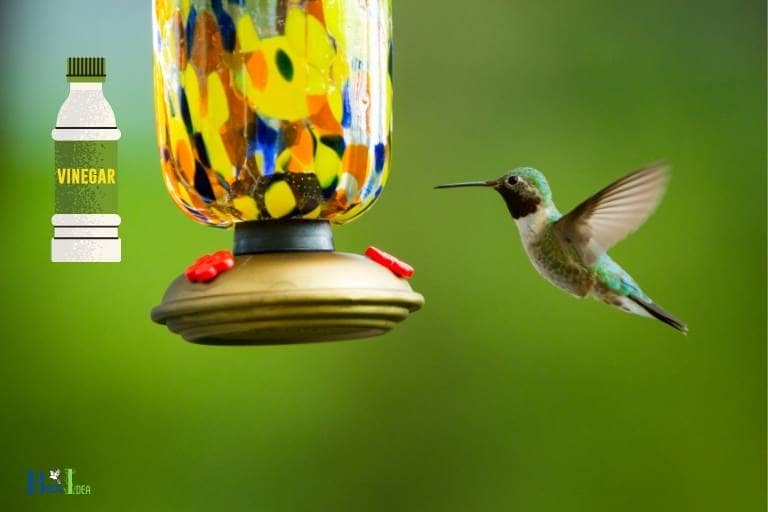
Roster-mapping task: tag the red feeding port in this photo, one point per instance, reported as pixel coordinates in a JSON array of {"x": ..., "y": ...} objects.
[
  {"x": 208, "y": 266},
  {"x": 398, "y": 267}
]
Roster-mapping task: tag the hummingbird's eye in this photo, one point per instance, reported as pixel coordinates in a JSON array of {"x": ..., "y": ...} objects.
[{"x": 512, "y": 180}]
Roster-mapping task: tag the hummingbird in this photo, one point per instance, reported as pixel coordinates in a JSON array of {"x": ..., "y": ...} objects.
[{"x": 570, "y": 251}]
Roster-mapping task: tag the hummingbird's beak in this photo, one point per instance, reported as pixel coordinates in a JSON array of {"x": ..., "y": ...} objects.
[{"x": 490, "y": 183}]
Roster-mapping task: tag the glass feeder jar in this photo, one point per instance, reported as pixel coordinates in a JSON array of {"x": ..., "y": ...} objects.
[
  {"x": 275, "y": 117},
  {"x": 273, "y": 109}
]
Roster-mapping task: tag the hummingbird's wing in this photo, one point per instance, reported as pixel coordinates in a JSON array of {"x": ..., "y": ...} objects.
[{"x": 609, "y": 216}]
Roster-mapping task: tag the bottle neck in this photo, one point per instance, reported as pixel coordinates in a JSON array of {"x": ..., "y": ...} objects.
[{"x": 85, "y": 86}]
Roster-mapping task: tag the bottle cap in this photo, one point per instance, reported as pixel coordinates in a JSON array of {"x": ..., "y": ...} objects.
[{"x": 86, "y": 69}]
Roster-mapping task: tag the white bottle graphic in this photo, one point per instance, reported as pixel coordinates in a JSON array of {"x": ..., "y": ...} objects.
[{"x": 86, "y": 134}]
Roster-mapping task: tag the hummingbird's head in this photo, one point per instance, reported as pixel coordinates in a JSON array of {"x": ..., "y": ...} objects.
[{"x": 524, "y": 189}]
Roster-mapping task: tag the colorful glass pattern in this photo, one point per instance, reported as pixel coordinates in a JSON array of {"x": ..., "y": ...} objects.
[{"x": 273, "y": 109}]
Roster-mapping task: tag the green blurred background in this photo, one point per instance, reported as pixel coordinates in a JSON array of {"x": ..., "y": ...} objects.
[{"x": 503, "y": 393}]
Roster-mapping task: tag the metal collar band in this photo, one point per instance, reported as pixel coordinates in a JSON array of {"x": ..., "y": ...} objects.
[{"x": 283, "y": 236}]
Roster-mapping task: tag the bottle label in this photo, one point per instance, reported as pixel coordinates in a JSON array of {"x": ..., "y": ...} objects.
[{"x": 86, "y": 176}]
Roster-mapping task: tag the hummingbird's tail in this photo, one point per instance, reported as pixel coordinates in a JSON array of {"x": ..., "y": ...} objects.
[{"x": 658, "y": 313}]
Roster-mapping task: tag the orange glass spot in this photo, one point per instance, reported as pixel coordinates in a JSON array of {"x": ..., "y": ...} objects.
[
  {"x": 355, "y": 162},
  {"x": 315, "y": 8},
  {"x": 303, "y": 148},
  {"x": 186, "y": 160},
  {"x": 206, "y": 45},
  {"x": 257, "y": 69},
  {"x": 321, "y": 115}
]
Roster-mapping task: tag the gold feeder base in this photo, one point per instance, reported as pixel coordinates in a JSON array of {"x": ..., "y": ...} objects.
[{"x": 288, "y": 297}]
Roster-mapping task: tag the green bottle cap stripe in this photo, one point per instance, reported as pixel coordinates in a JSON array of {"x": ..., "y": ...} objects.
[{"x": 86, "y": 67}]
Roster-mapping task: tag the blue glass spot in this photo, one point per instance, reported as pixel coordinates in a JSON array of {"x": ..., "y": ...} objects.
[
  {"x": 335, "y": 142},
  {"x": 346, "y": 118},
  {"x": 264, "y": 139},
  {"x": 267, "y": 136},
  {"x": 202, "y": 184},
  {"x": 227, "y": 27},
  {"x": 185, "y": 115},
  {"x": 191, "y": 19},
  {"x": 380, "y": 153},
  {"x": 201, "y": 151},
  {"x": 196, "y": 213},
  {"x": 367, "y": 188},
  {"x": 331, "y": 189}
]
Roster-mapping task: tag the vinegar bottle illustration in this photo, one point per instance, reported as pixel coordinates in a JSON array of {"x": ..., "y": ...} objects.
[{"x": 86, "y": 177}]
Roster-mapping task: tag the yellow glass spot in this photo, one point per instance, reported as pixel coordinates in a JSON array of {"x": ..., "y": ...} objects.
[
  {"x": 320, "y": 52},
  {"x": 339, "y": 71},
  {"x": 162, "y": 108},
  {"x": 183, "y": 193},
  {"x": 279, "y": 200},
  {"x": 259, "y": 156},
  {"x": 334, "y": 21},
  {"x": 283, "y": 159},
  {"x": 314, "y": 213},
  {"x": 296, "y": 30},
  {"x": 317, "y": 81},
  {"x": 217, "y": 115},
  {"x": 192, "y": 90},
  {"x": 218, "y": 108},
  {"x": 161, "y": 10},
  {"x": 217, "y": 152},
  {"x": 335, "y": 101},
  {"x": 246, "y": 34},
  {"x": 247, "y": 207},
  {"x": 177, "y": 130},
  {"x": 327, "y": 165}
]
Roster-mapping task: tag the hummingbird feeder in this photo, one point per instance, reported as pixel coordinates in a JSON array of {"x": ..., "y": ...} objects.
[{"x": 274, "y": 117}]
